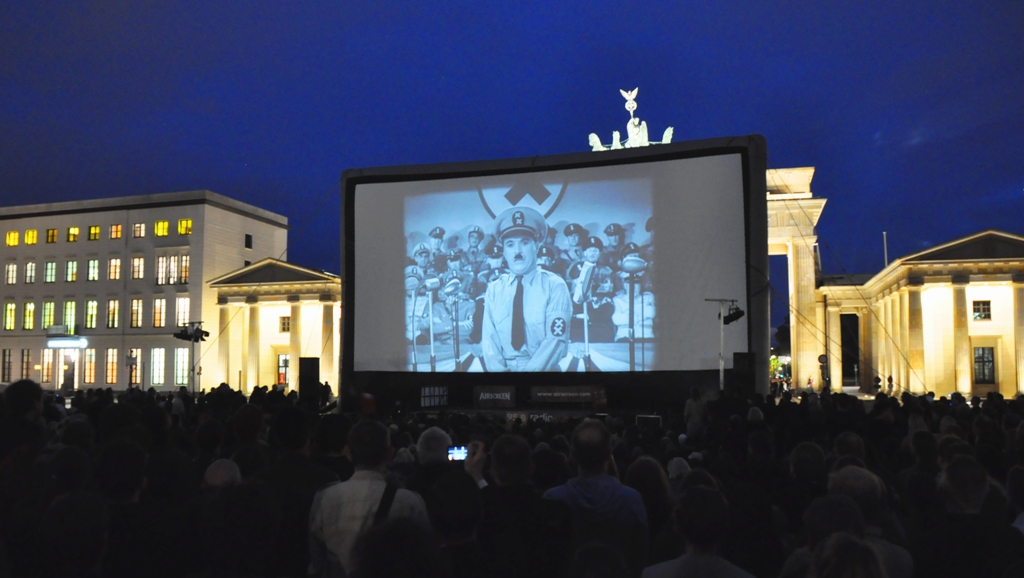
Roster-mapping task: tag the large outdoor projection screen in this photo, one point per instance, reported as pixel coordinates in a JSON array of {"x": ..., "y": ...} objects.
[{"x": 596, "y": 263}]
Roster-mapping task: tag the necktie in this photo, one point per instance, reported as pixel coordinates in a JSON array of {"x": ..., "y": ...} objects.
[{"x": 518, "y": 322}]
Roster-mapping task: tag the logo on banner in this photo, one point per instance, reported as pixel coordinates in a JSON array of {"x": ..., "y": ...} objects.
[{"x": 544, "y": 198}]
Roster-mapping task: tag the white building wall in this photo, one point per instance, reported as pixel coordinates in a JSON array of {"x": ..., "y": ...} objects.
[{"x": 215, "y": 246}]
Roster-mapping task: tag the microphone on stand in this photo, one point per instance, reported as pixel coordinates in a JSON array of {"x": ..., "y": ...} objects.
[
  {"x": 452, "y": 288},
  {"x": 632, "y": 265},
  {"x": 431, "y": 285}
]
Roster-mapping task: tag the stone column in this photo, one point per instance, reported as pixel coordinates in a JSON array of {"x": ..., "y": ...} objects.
[
  {"x": 294, "y": 342},
  {"x": 899, "y": 361},
  {"x": 961, "y": 337},
  {"x": 888, "y": 336},
  {"x": 915, "y": 335},
  {"x": 878, "y": 336},
  {"x": 252, "y": 374},
  {"x": 805, "y": 339},
  {"x": 835, "y": 348},
  {"x": 224, "y": 339},
  {"x": 866, "y": 362},
  {"x": 1018, "y": 327},
  {"x": 327, "y": 342},
  {"x": 905, "y": 337}
]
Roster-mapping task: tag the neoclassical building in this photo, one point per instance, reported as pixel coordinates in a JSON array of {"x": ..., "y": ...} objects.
[
  {"x": 950, "y": 318},
  {"x": 271, "y": 314}
]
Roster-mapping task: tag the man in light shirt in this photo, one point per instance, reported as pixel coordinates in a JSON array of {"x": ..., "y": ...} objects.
[{"x": 341, "y": 512}]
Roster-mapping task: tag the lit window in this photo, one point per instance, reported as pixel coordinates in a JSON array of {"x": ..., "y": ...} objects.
[
  {"x": 172, "y": 270},
  {"x": 136, "y": 320},
  {"x": 181, "y": 312},
  {"x": 115, "y": 231},
  {"x": 111, "y": 366},
  {"x": 139, "y": 230},
  {"x": 181, "y": 366},
  {"x": 285, "y": 324},
  {"x": 72, "y": 234},
  {"x": 161, "y": 270},
  {"x": 248, "y": 241},
  {"x": 282, "y": 368},
  {"x": 133, "y": 366},
  {"x": 157, "y": 362},
  {"x": 160, "y": 228},
  {"x": 10, "y": 311},
  {"x": 71, "y": 271},
  {"x": 92, "y": 309},
  {"x": 984, "y": 364},
  {"x": 47, "y": 315},
  {"x": 31, "y": 237},
  {"x": 94, "y": 270},
  {"x": 5, "y": 366},
  {"x": 982, "y": 310},
  {"x": 113, "y": 313},
  {"x": 184, "y": 268},
  {"x": 90, "y": 366},
  {"x": 138, "y": 267},
  {"x": 11, "y": 273},
  {"x": 94, "y": 233},
  {"x": 114, "y": 269},
  {"x": 47, "y": 365},
  {"x": 28, "y": 316},
  {"x": 184, "y": 226},
  {"x": 69, "y": 316},
  {"x": 26, "y": 363},
  {"x": 51, "y": 235},
  {"x": 50, "y": 273},
  {"x": 30, "y": 273},
  {"x": 12, "y": 238},
  {"x": 159, "y": 312}
]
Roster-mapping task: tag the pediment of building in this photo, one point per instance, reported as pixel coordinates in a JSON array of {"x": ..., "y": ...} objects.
[
  {"x": 272, "y": 271},
  {"x": 984, "y": 246}
]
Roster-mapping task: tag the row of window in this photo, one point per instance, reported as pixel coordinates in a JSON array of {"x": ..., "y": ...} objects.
[
  {"x": 170, "y": 270},
  {"x": 160, "y": 229},
  {"x": 158, "y": 357},
  {"x": 92, "y": 310}
]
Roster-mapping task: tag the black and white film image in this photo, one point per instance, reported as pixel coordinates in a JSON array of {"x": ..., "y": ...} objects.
[{"x": 532, "y": 276}]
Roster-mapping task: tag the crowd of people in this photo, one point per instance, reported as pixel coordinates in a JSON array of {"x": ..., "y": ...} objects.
[{"x": 142, "y": 483}]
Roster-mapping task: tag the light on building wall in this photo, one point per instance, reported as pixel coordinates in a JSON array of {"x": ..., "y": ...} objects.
[{"x": 67, "y": 343}]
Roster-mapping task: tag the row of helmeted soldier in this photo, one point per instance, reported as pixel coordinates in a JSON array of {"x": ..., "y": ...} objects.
[{"x": 462, "y": 274}]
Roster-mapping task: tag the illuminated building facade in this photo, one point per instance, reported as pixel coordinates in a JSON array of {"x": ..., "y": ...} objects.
[
  {"x": 950, "y": 318},
  {"x": 124, "y": 274},
  {"x": 271, "y": 314}
]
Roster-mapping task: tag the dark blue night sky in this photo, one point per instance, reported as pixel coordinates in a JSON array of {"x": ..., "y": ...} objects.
[{"x": 911, "y": 112}]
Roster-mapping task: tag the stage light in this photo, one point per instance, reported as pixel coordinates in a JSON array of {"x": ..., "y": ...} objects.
[{"x": 734, "y": 315}]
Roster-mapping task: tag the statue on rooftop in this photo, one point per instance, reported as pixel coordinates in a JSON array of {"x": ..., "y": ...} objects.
[{"x": 636, "y": 129}]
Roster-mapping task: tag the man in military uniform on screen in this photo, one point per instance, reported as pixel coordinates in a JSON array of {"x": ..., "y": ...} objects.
[
  {"x": 421, "y": 255},
  {"x": 438, "y": 256},
  {"x": 574, "y": 252},
  {"x": 475, "y": 251},
  {"x": 616, "y": 234},
  {"x": 527, "y": 310}
]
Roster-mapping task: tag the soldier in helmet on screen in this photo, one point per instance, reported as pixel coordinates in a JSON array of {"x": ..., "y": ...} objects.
[
  {"x": 527, "y": 310},
  {"x": 494, "y": 266},
  {"x": 573, "y": 252},
  {"x": 421, "y": 255},
  {"x": 474, "y": 254},
  {"x": 438, "y": 255},
  {"x": 546, "y": 259},
  {"x": 616, "y": 234}
]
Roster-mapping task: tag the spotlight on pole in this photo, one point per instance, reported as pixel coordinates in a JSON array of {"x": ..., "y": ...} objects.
[{"x": 734, "y": 314}]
